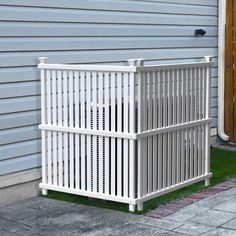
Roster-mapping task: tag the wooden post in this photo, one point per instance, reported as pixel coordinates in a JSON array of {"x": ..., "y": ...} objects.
[{"x": 230, "y": 60}]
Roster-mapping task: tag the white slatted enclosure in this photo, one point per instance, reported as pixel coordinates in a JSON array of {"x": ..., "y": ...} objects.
[{"x": 125, "y": 133}]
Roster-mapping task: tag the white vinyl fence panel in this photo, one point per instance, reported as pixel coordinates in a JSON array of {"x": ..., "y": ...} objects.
[{"x": 124, "y": 133}]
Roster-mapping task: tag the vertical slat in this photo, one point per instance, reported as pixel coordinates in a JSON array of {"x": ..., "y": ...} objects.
[
  {"x": 191, "y": 119},
  {"x": 204, "y": 148},
  {"x": 195, "y": 152},
  {"x": 54, "y": 122},
  {"x": 100, "y": 124},
  {"x": 160, "y": 136},
  {"x": 200, "y": 117},
  {"x": 140, "y": 129},
  {"x": 200, "y": 92},
  {"x": 199, "y": 158},
  {"x": 113, "y": 128},
  {"x": 150, "y": 117},
  {"x": 204, "y": 92},
  {"x": 43, "y": 121},
  {"x": 195, "y": 94},
  {"x": 201, "y": 150},
  {"x": 155, "y": 125},
  {"x": 178, "y": 152},
  {"x": 89, "y": 126},
  {"x": 192, "y": 113},
  {"x": 132, "y": 123},
  {"x": 182, "y": 120},
  {"x": 184, "y": 95},
  {"x": 187, "y": 120},
  {"x": 197, "y": 98},
  {"x": 185, "y": 131},
  {"x": 145, "y": 140},
  {"x": 60, "y": 142},
  {"x": 65, "y": 122},
  {"x": 165, "y": 140},
  {"x": 77, "y": 125},
  {"x": 94, "y": 82},
  {"x": 107, "y": 121},
  {"x": 83, "y": 125},
  {"x": 49, "y": 122},
  {"x": 189, "y": 95},
  {"x": 71, "y": 124},
  {"x": 174, "y": 134},
  {"x": 169, "y": 123},
  {"x": 119, "y": 130},
  {"x": 126, "y": 130}
]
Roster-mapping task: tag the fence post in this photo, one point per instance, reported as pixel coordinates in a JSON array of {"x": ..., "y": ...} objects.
[
  {"x": 136, "y": 62},
  {"x": 139, "y": 62},
  {"x": 207, "y": 131},
  {"x": 133, "y": 63},
  {"x": 43, "y": 122}
]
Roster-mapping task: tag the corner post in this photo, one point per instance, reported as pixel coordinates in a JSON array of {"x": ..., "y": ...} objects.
[
  {"x": 131, "y": 208},
  {"x": 138, "y": 63},
  {"x": 43, "y": 121},
  {"x": 208, "y": 58},
  {"x": 42, "y": 60},
  {"x": 207, "y": 131},
  {"x": 44, "y": 192}
]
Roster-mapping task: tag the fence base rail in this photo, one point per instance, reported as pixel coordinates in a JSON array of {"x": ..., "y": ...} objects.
[{"x": 132, "y": 202}]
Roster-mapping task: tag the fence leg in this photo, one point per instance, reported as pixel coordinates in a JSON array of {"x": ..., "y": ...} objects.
[
  {"x": 44, "y": 192},
  {"x": 131, "y": 208},
  {"x": 207, "y": 182},
  {"x": 140, "y": 206}
]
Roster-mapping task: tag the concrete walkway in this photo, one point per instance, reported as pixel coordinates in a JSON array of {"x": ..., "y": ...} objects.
[{"x": 215, "y": 215}]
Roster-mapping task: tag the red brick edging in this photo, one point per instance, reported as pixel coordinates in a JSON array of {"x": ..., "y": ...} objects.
[{"x": 174, "y": 206}]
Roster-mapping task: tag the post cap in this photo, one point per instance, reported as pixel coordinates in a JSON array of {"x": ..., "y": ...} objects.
[
  {"x": 208, "y": 58},
  {"x": 42, "y": 60},
  {"x": 136, "y": 62}
]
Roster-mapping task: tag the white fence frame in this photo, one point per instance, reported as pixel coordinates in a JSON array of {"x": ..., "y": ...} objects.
[{"x": 144, "y": 132}]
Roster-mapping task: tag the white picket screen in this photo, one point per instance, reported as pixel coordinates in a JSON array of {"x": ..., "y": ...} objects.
[{"x": 125, "y": 133}]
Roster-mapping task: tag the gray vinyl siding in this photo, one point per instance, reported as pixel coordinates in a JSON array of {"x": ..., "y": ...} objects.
[{"x": 91, "y": 31}]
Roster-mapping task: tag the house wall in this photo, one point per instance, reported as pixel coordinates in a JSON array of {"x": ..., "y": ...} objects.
[{"x": 91, "y": 31}]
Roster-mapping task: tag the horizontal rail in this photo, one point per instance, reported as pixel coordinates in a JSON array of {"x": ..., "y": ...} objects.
[
  {"x": 172, "y": 128},
  {"x": 173, "y": 188},
  {"x": 123, "y": 199},
  {"x": 112, "y": 134},
  {"x": 173, "y": 66},
  {"x": 98, "y": 68},
  {"x": 102, "y": 133},
  {"x": 109, "y": 68},
  {"x": 87, "y": 193}
]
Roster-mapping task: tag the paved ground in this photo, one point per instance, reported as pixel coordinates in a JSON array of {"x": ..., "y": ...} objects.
[
  {"x": 215, "y": 215},
  {"x": 163, "y": 211}
]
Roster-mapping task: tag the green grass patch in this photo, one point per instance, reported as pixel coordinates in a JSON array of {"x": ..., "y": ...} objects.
[{"x": 223, "y": 167}]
